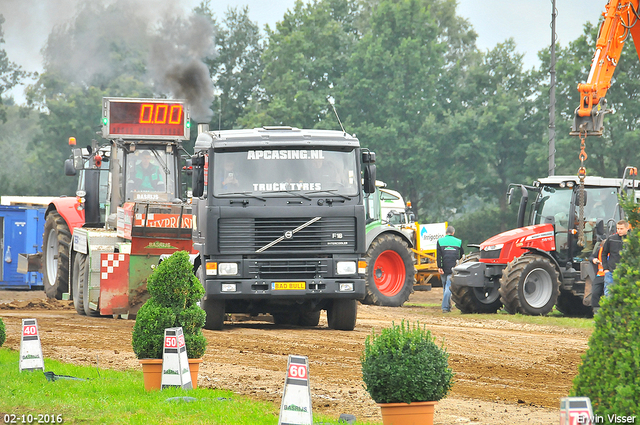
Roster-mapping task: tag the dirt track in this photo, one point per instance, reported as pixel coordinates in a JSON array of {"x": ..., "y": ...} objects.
[{"x": 505, "y": 373}]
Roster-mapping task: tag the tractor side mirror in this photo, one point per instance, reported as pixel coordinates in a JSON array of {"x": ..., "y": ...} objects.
[{"x": 69, "y": 169}]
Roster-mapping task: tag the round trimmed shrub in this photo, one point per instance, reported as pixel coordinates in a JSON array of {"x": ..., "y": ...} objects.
[
  {"x": 3, "y": 334},
  {"x": 173, "y": 283},
  {"x": 610, "y": 367},
  {"x": 403, "y": 364},
  {"x": 174, "y": 291}
]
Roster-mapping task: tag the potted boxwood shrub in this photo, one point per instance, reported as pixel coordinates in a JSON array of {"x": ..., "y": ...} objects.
[
  {"x": 174, "y": 294},
  {"x": 405, "y": 372}
]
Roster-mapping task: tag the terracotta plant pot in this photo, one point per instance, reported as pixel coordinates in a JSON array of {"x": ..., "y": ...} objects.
[
  {"x": 152, "y": 372},
  {"x": 416, "y": 413}
]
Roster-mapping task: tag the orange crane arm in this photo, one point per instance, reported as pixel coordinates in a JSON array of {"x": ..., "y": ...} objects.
[{"x": 621, "y": 19}]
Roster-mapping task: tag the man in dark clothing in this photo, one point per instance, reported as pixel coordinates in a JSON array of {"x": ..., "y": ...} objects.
[
  {"x": 597, "y": 285},
  {"x": 449, "y": 251},
  {"x": 611, "y": 253}
]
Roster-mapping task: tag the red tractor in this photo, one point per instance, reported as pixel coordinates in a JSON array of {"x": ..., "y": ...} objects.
[
  {"x": 129, "y": 209},
  {"x": 530, "y": 269}
]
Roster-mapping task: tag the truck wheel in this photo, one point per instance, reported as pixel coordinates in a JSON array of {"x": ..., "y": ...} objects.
[
  {"x": 529, "y": 285},
  {"x": 390, "y": 271},
  {"x": 215, "y": 314},
  {"x": 77, "y": 286},
  {"x": 571, "y": 305},
  {"x": 309, "y": 319},
  {"x": 83, "y": 278},
  {"x": 342, "y": 315},
  {"x": 475, "y": 300},
  {"x": 55, "y": 243}
]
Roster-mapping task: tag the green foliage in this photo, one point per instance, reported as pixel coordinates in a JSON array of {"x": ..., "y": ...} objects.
[
  {"x": 112, "y": 396},
  {"x": 611, "y": 366},
  {"x": 403, "y": 364},
  {"x": 237, "y": 69},
  {"x": 305, "y": 59},
  {"x": 174, "y": 291},
  {"x": 10, "y": 73},
  {"x": 3, "y": 334},
  {"x": 148, "y": 332},
  {"x": 173, "y": 284}
]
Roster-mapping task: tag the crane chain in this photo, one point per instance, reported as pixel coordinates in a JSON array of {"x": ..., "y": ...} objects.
[{"x": 582, "y": 173}]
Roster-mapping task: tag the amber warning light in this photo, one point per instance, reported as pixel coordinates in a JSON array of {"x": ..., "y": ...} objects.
[{"x": 145, "y": 118}]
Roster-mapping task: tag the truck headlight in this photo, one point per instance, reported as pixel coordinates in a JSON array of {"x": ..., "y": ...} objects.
[
  {"x": 228, "y": 269},
  {"x": 346, "y": 267},
  {"x": 228, "y": 287}
]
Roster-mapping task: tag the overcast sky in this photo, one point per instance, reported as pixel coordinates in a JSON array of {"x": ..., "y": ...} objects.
[{"x": 28, "y": 22}]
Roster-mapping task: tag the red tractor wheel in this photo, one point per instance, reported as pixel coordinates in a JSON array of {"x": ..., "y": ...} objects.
[{"x": 390, "y": 271}]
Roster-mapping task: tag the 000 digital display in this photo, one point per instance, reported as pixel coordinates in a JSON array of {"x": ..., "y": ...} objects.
[{"x": 145, "y": 118}]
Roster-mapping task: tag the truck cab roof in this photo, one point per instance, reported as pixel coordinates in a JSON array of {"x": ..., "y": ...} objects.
[
  {"x": 274, "y": 136},
  {"x": 588, "y": 181}
]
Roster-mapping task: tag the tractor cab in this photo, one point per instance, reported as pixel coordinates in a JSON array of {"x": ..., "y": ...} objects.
[{"x": 558, "y": 203}]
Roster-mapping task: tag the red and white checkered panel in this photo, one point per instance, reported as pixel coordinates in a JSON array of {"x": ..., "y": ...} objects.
[{"x": 112, "y": 265}]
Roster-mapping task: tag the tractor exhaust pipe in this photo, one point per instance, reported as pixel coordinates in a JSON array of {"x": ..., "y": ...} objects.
[{"x": 203, "y": 128}]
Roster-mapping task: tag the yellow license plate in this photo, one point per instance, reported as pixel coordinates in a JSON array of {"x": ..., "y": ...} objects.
[{"x": 284, "y": 286}]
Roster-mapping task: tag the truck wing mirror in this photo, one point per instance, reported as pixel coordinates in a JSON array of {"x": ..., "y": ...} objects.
[
  {"x": 197, "y": 177},
  {"x": 369, "y": 185},
  {"x": 69, "y": 169},
  {"x": 368, "y": 157}
]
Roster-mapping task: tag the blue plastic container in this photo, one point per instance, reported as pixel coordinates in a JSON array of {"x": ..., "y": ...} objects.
[{"x": 22, "y": 229}]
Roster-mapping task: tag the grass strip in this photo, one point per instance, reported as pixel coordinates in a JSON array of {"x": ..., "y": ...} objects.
[{"x": 109, "y": 397}]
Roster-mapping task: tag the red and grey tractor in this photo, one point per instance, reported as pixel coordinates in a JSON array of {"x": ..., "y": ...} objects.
[{"x": 535, "y": 267}]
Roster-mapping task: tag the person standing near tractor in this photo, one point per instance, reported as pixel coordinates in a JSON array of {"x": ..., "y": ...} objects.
[
  {"x": 448, "y": 251},
  {"x": 611, "y": 250}
]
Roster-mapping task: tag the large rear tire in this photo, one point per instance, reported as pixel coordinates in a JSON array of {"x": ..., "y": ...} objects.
[
  {"x": 529, "y": 285},
  {"x": 390, "y": 271},
  {"x": 55, "y": 243},
  {"x": 475, "y": 300},
  {"x": 83, "y": 278},
  {"x": 77, "y": 286},
  {"x": 342, "y": 314}
]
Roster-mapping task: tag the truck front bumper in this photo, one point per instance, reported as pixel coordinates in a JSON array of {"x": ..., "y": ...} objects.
[{"x": 247, "y": 289}]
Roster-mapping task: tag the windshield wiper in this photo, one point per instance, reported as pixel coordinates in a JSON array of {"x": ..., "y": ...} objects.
[
  {"x": 247, "y": 194},
  {"x": 333, "y": 192},
  {"x": 290, "y": 192}
]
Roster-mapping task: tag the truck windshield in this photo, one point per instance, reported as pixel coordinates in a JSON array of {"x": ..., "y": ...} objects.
[{"x": 290, "y": 171}]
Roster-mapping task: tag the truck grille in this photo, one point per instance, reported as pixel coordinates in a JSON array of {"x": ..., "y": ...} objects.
[
  {"x": 247, "y": 235},
  {"x": 288, "y": 269}
]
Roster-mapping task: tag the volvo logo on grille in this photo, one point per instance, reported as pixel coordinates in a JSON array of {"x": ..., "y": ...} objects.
[{"x": 288, "y": 234}]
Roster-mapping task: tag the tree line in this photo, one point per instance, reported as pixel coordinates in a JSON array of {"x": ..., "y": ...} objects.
[{"x": 452, "y": 125}]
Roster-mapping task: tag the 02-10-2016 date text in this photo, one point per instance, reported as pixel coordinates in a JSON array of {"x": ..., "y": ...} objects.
[{"x": 40, "y": 418}]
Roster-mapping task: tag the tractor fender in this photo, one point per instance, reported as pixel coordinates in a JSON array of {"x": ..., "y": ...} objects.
[
  {"x": 67, "y": 208},
  {"x": 545, "y": 254},
  {"x": 374, "y": 233}
]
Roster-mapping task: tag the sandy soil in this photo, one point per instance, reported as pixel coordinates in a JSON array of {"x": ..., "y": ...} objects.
[{"x": 505, "y": 372}]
